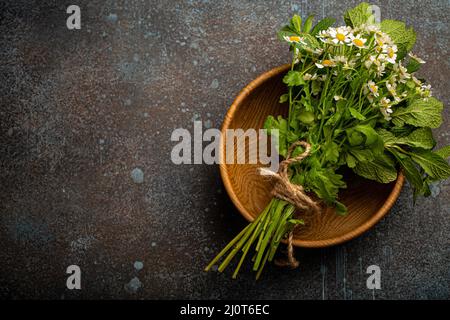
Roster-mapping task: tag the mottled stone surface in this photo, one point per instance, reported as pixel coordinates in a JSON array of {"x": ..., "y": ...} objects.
[{"x": 81, "y": 109}]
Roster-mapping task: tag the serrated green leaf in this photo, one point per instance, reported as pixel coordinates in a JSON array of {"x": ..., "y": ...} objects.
[
  {"x": 402, "y": 36},
  {"x": 293, "y": 78},
  {"x": 308, "y": 24},
  {"x": 382, "y": 169},
  {"x": 362, "y": 155},
  {"x": 411, "y": 172},
  {"x": 434, "y": 165},
  {"x": 443, "y": 152},
  {"x": 355, "y": 114},
  {"x": 359, "y": 15},
  {"x": 350, "y": 160},
  {"x": 325, "y": 183},
  {"x": 331, "y": 151},
  {"x": 420, "y": 138},
  {"x": 296, "y": 23},
  {"x": 420, "y": 113},
  {"x": 322, "y": 25}
]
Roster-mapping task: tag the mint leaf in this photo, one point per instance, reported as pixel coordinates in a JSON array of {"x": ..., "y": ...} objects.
[
  {"x": 420, "y": 138},
  {"x": 359, "y": 15},
  {"x": 296, "y": 23},
  {"x": 411, "y": 172},
  {"x": 355, "y": 114},
  {"x": 293, "y": 78},
  {"x": 403, "y": 37},
  {"x": 308, "y": 24},
  {"x": 322, "y": 25},
  {"x": 382, "y": 169},
  {"x": 443, "y": 152},
  {"x": 420, "y": 113},
  {"x": 434, "y": 165}
]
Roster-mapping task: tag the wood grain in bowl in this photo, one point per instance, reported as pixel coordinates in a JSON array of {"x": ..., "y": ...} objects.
[{"x": 367, "y": 201}]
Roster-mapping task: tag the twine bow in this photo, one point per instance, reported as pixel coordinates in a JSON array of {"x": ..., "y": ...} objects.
[{"x": 295, "y": 194}]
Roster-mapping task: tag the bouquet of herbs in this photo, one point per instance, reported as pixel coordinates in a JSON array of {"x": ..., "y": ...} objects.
[{"x": 355, "y": 100}]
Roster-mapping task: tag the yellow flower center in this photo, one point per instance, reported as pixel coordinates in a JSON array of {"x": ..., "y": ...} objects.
[
  {"x": 391, "y": 53},
  {"x": 358, "y": 42},
  {"x": 294, "y": 38},
  {"x": 340, "y": 36},
  {"x": 373, "y": 88},
  {"x": 328, "y": 63}
]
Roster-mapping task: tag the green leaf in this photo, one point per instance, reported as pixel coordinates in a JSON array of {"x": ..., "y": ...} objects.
[
  {"x": 362, "y": 155},
  {"x": 355, "y": 114},
  {"x": 351, "y": 160},
  {"x": 331, "y": 151},
  {"x": 293, "y": 78},
  {"x": 340, "y": 208},
  {"x": 308, "y": 24},
  {"x": 402, "y": 36},
  {"x": 443, "y": 152},
  {"x": 382, "y": 169},
  {"x": 296, "y": 23},
  {"x": 413, "y": 65},
  {"x": 371, "y": 136},
  {"x": 359, "y": 15},
  {"x": 325, "y": 183},
  {"x": 411, "y": 172},
  {"x": 278, "y": 128},
  {"x": 322, "y": 25},
  {"x": 389, "y": 139},
  {"x": 306, "y": 117},
  {"x": 420, "y": 113},
  {"x": 433, "y": 164},
  {"x": 284, "y": 98},
  {"x": 420, "y": 138}
]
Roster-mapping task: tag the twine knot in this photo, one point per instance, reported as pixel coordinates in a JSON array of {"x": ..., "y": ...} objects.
[{"x": 293, "y": 193}]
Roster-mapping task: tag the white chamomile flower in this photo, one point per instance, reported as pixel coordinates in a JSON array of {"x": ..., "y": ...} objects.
[
  {"x": 337, "y": 98},
  {"x": 391, "y": 54},
  {"x": 308, "y": 76},
  {"x": 294, "y": 39},
  {"x": 373, "y": 88},
  {"x": 392, "y": 88},
  {"x": 371, "y": 28},
  {"x": 358, "y": 41},
  {"x": 413, "y": 56},
  {"x": 326, "y": 63},
  {"x": 402, "y": 72},
  {"x": 425, "y": 91},
  {"x": 370, "y": 61},
  {"x": 386, "y": 108},
  {"x": 416, "y": 81},
  {"x": 340, "y": 59},
  {"x": 339, "y": 35}
]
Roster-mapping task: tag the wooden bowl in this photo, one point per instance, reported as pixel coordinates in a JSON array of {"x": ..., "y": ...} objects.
[{"x": 367, "y": 201}]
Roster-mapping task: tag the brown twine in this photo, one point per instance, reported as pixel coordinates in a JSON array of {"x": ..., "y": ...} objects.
[{"x": 295, "y": 194}]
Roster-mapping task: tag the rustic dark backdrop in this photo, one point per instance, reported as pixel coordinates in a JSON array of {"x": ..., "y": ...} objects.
[{"x": 85, "y": 172}]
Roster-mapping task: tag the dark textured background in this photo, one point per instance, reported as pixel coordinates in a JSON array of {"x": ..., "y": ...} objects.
[{"x": 80, "y": 110}]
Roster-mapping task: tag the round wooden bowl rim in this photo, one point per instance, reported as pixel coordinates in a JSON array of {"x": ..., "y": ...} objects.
[{"x": 299, "y": 243}]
